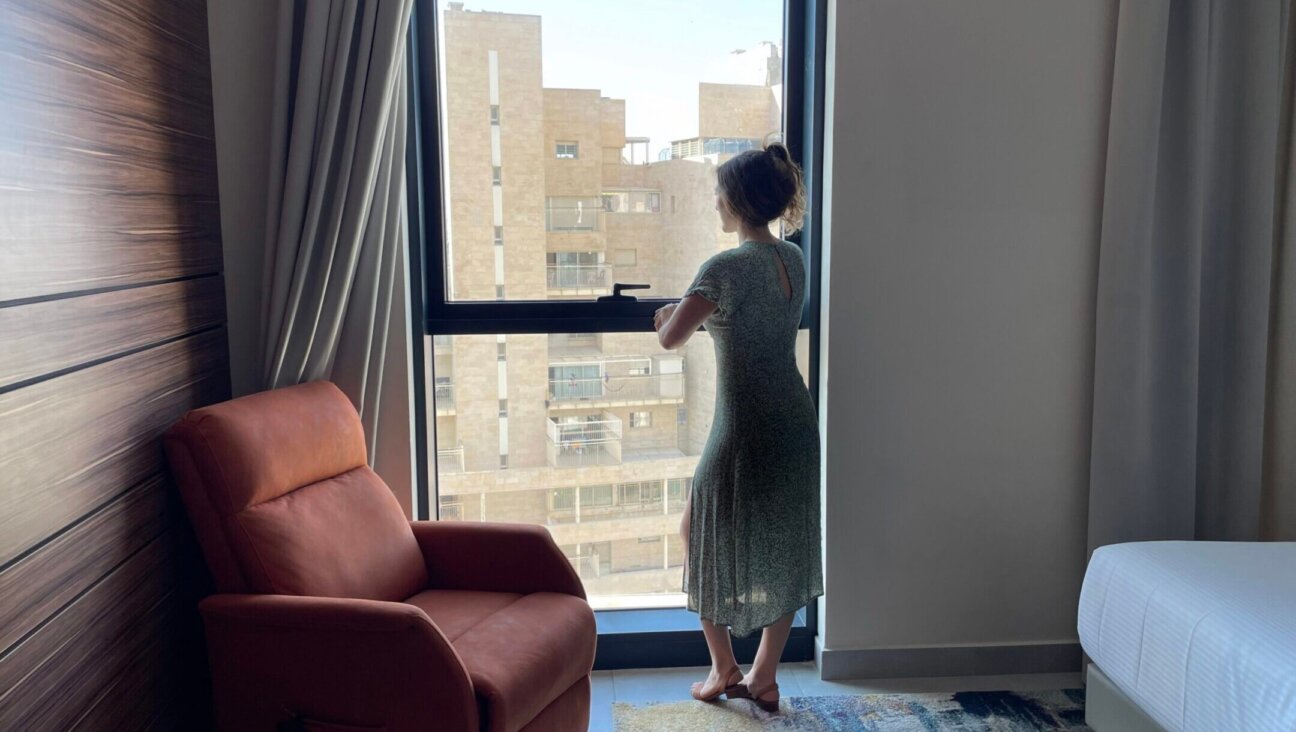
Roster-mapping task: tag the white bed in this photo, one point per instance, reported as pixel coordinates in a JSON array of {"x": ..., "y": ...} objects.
[{"x": 1199, "y": 635}]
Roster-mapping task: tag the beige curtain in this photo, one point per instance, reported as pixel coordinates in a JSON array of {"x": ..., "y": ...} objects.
[
  {"x": 336, "y": 228},
  {"x": 1194, "y": 423}
]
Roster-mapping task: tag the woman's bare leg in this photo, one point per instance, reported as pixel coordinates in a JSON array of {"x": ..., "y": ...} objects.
[
  {"x": 765, "y": 670},
  {"x": 717, "y": 638}
]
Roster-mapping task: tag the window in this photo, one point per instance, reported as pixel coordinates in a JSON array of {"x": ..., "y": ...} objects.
[
  {"x": 582, "y": 380},
  {"x": 632, "y": 201},
  {"x": 631, "y": 494},
  {"x": 571, "y": 213},
  {"x": 677, "y": 489},
  {"x": 577, "y": 271},
  {"x": 562, "y": 499},
  {"x": 451, "y": 508},
  {"x": 594, "y": 496}
]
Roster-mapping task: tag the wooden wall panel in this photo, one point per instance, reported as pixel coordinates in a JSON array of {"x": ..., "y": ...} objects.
[
  {"x": 107, "y": 153},
  {"x": 111, "y": 324},
  {"x": 84, "y": 438},
  {"x": 85, "y": 648},
  {"x": 46, "y": 337},
  {"x": 36, "y": 587}
]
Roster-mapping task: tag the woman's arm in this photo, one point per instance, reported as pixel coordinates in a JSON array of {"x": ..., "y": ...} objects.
[{"x": 677, "y": 323}]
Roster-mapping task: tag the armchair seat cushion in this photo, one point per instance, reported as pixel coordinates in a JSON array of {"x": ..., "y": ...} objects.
[{"x": 521, "y": 651}]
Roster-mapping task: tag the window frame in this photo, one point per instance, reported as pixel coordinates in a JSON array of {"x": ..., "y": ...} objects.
[{"x": 627, "y": 638}]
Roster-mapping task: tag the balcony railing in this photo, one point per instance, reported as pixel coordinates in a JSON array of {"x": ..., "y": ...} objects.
[
  {"x": 584, "y": 443},
  {"x": 445, "y": 395},
  {"x": 627, "y": 387},
  {"x": 579, "y": 277},
  {"x": 450, "y": 460}
]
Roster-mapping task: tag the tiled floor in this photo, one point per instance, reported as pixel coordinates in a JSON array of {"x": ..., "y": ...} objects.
[{"x": 638, "y": 686}]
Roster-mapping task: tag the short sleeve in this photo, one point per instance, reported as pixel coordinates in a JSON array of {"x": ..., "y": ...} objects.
[{"x": 710, "y": 282}]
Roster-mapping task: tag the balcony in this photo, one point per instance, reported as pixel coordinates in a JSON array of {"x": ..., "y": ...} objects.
[
  {"x": 618, "y": 383},
  {"x": 450, "y": 460},
  {"x": 445, "y": 398},
  {"x": 593, "y": 279},
  {"x": 587, "y": 442}
]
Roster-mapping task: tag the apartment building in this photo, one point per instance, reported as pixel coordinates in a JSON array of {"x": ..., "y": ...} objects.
[{"x": 595, "y": 436}]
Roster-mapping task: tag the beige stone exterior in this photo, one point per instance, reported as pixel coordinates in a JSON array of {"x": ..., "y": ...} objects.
[
  {"x": 496, "y": 407},
  {"x": 737, "y": 110}
]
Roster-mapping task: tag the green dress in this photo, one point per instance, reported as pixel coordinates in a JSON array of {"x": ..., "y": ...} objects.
[{"x": 754, "y": 552}]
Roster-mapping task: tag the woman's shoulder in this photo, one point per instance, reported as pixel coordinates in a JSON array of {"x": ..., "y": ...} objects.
[{"x": 723, "y": 260}]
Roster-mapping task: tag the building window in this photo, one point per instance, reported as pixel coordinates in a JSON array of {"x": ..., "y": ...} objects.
[
  {"x": 504, "y": 461},
  {"x": 625, "y": 257},
  {"x": 572, "y": 213},
  {"x": 451, "y": 508},
  {"x": 594, "y": 496},
  {"x": 494, "y": 114},
  {"x": 567, "y": 150},
  {"x": 503, "y": 408},
  {"x": 681, "y": 416},
  {"x": 677, "y": 489},
  {"x": 632, "y": 201},
  {"x": 576, "y": 270},
  {"x": 632, "y": 494},
  {"x": 499, "y": 292},
  {"x": 499, "y": 236},
  {"x": 640, "y": 419},
  {"x": 672, "y": 204},
  {"x": 501, "y": 351},
  {"x": 562, "y": 499},
  {"x": 497, "y": 175}
]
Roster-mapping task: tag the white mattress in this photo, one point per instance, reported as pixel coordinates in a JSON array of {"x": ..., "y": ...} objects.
[{"x": 1201, "y": 635}]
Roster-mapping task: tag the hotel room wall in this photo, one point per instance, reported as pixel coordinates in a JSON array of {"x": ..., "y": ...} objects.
[
  {"x": 966, "y": 165},
  {"x": 112, "y": 318}
]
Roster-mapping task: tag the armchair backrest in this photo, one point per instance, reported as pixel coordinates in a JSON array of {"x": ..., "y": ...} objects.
[{"x": 282, "y": 499}]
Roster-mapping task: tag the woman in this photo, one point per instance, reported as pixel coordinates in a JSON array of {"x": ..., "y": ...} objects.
[{"x": 751, "y": 526}]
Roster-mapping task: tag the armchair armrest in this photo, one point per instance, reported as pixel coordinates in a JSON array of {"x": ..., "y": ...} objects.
[
  {"x": 337, "y": 663},
  {"x": 495, "y": 558}
]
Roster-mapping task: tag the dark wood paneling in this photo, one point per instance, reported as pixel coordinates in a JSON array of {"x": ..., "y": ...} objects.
[
  {"x": 53, "y": 244},
  {"x": 81, "y": 439},
  {"x": 35, "y": 588},
  {"x": 107, "y": 154},
  {"x": 50, "y": 336},
  {"x": 54, "y": 676},
  {"x": 111, "y": 315}
]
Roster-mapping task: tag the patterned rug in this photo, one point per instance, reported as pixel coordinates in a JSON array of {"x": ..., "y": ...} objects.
[{"x": 977, "y": 711}]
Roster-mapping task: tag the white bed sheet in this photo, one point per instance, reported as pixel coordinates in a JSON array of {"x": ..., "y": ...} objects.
[{"x": 1201, "y": 635}]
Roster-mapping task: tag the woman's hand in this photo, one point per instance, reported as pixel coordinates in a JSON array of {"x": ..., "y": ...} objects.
[
  {"x": 663, "y": 316},
  {"x": 675, "y": 324}
]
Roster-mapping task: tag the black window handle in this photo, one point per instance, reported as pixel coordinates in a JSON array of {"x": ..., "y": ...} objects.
[{"x": 616, "y": 295}]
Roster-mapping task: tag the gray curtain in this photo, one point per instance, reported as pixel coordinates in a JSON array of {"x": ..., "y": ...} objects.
[
  {"x": 336, "y": 236},
  {"x": 1194, "y": 423}
]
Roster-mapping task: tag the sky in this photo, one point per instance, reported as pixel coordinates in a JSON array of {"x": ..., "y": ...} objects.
[{"x": 651, "y": 53}]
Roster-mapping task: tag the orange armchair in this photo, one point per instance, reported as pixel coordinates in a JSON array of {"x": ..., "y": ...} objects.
[{"x": 336, "y": 613}]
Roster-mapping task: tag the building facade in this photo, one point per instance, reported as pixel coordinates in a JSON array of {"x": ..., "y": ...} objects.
[{"x": 595, "y": 436}]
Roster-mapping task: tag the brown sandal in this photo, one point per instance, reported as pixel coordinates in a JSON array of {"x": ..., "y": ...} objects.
[
  {"x": 724, "y": 691},
  {"x": 767, "y": 705}
]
